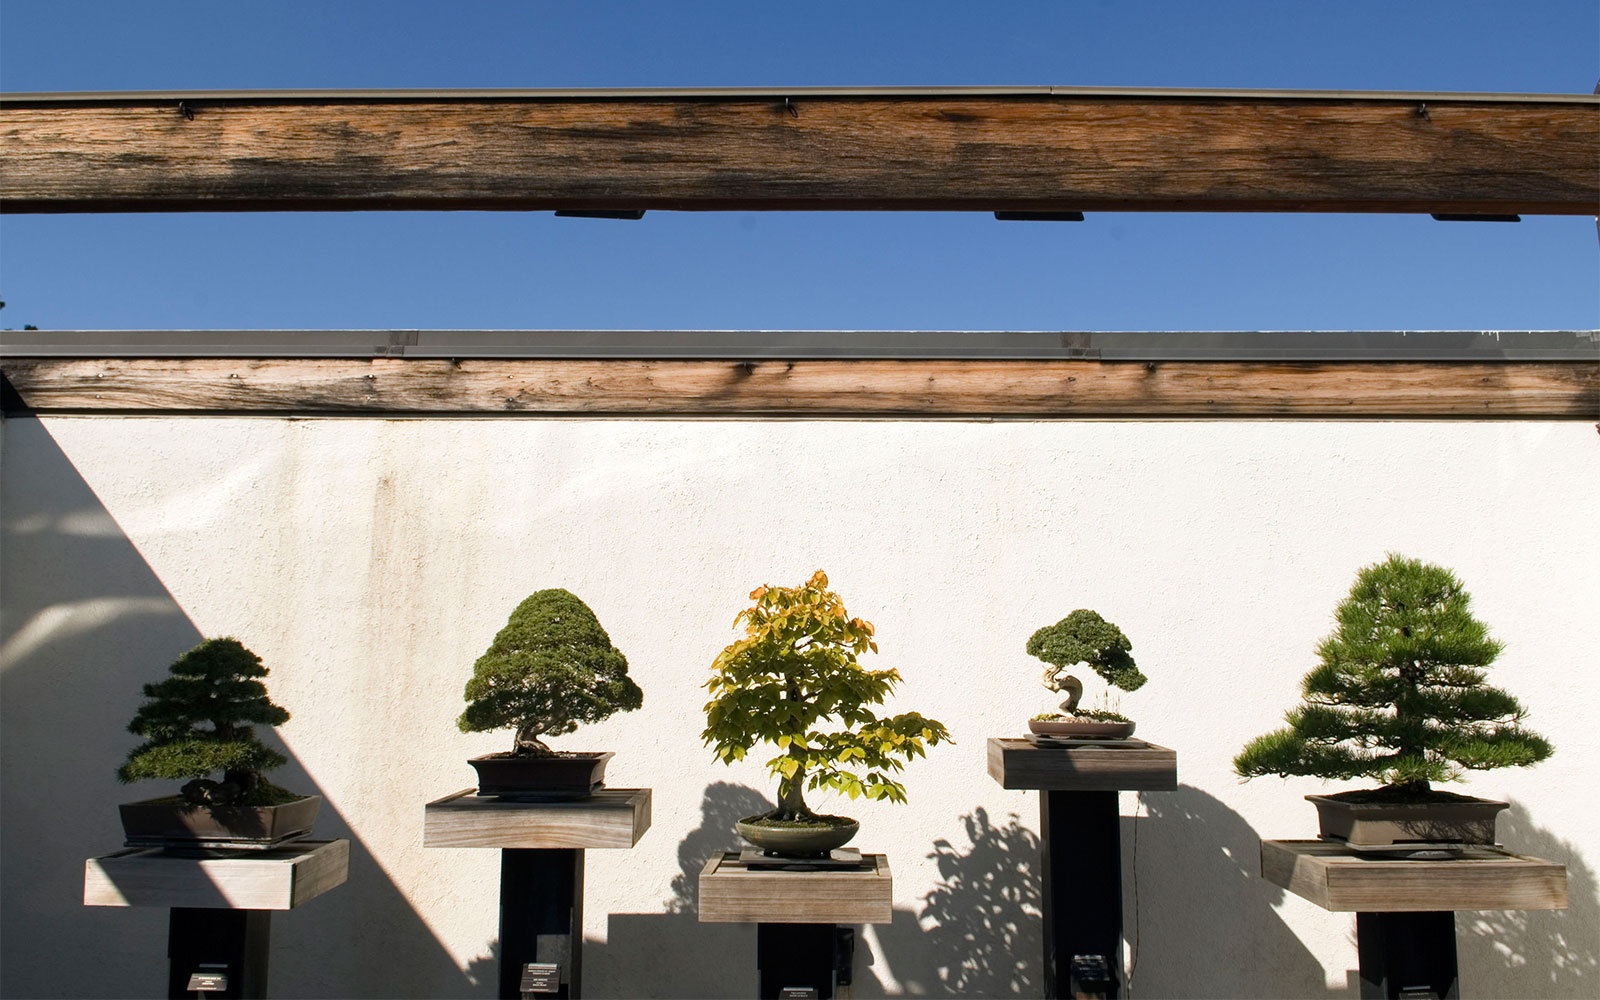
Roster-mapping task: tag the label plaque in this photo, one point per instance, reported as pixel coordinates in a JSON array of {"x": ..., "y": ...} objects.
[
  {"x": 208, "y": 980},
  {"x": 541, "y": 977}
]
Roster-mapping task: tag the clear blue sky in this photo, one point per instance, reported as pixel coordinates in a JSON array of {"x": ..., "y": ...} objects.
[{"x": 798, "y": 270}]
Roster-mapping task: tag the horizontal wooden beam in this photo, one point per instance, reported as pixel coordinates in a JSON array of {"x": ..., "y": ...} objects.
[
  {"x": 819, "y": 388},
  {"x": 1044, "y": 151}
]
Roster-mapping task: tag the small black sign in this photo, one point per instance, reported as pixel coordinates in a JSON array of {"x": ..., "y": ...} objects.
[
  {"x": 797, "y": 993},
  {"x": 208, "y": 981},
  {"x": 541, "y": 977}
]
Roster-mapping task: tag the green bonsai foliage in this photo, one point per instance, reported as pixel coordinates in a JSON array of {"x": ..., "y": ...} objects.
[
  {"x": 1085, "y": 637},
  {"x": 1400, "y": 693},
  {"x": 793, "y": 674},
  {"x": 200, "y": 721},
  {"x": 551, "y": 668}
]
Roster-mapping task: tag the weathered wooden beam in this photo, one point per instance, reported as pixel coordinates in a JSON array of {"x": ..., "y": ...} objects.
[
  {"x": 1044, "y": 150},
  {"x": 844, "y": 388}
]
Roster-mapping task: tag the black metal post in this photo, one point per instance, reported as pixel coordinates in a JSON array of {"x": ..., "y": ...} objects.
[
  {"x": 803, "y": 956},
  {"x": 541, "y": 896},
  {"x": 1081, "y": 848},
  {"x": 1407, "y": 955},
  {"x": 233, "y": 943}
]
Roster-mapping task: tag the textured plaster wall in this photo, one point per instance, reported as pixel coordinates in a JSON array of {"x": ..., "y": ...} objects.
[{"x": 370, "y": 562}]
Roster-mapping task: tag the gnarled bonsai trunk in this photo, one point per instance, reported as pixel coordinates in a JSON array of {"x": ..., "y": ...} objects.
[{"x": 528, "y": 744}]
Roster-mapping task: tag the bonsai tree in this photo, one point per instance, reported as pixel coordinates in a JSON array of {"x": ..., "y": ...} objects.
[
  {"x": 549, "y": 669},
  {"x": 1400, "y": 694},
  {"x": 794, "y": 681},
  {"x": 200, "y": 721},
  {"x": 1083, "y": 637}
]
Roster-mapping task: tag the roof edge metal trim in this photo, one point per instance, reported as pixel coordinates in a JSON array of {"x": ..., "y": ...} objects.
[
  {"x": 750, "y": 345},
  {"x": 734, "y": 93}
]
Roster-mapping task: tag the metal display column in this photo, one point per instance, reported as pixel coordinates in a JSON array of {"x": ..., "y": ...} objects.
[
  {"x": 1405, "y": 909},
  {"x": 542, "y": 847},
  {"x": 1080, "y": 832},
  {"x": 219, "y": 929},
  {"x": 218, "y": 953},
  {"x": 541, "y": 903}
]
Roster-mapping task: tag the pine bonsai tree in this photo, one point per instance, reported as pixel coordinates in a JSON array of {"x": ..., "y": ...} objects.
[
  {"x": 200, "y": 721},
  {"x": 1400, "y": 694},
  {"x": 550, "y": 668},
  {"x": 1085, "y": 637},
  {"x": 794, "y": 672}
]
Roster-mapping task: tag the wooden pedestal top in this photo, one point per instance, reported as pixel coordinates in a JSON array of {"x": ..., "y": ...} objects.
[
  {"x": 731, "y": 893},
  {"x": 1336, "y": 878},
  {"x": 611, "y": 817},
  {"x": 280, "y": 879},
  {"x": 1017, "y": 763}
]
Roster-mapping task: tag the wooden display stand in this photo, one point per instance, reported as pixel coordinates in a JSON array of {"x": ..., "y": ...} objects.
[
  {"x": 541, "y": 848},
  {"x": 798, "y": 910},
  {"x": 1081, "y": 848},
  {"x": 219, "y": 929},
  {"x": 1405, "y": 910}
]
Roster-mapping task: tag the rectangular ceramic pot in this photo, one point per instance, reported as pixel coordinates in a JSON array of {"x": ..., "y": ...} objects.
[
  {"x": 1380, "y": 824},
  {"x": 562, "y": 776},
  {"x": 171, "y": 822}
]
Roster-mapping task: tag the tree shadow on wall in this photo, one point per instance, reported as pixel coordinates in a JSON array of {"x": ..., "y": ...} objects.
[
  {"x": 981, "y": 922},
  {"x": 85, "y": 623},
  {"x": 1198, "y": 915},
  {"x": 1534, "y": 953},
  {"x": 673, "y": 954}
]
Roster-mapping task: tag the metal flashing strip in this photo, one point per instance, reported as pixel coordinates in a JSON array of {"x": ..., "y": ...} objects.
[
  {"x": 1313, "y": 345},
  {"x": 764, "y": 93}
]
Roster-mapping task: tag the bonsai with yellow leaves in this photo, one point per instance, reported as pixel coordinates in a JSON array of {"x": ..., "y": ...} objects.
[{"x": 794, "y": 681}]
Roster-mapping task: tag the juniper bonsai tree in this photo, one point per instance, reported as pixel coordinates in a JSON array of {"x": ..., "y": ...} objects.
[
  {"x": 1085, "y": 637},
  {"x": 200, "y": 720},
  {"x": 794, "y": 681},
  {"x": 549, "y": 669},
  {"x": 1401, "y": 693}
]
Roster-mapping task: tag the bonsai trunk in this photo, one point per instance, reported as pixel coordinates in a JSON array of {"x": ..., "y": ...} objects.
[
  {"x": 791, "y": 790},
  {"x": 528, "y": 744},
  {"x": 1413, "y": 674},
  {"x": 246, "y": 780},
  {"x": 791, "y": 798}
]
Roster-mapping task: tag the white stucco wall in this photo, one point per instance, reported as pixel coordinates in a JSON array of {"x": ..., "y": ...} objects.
[{"x": 369, "y": 562}]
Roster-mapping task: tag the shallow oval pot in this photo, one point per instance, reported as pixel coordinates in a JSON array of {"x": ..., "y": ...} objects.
[
  {"x": 173, "y": 823},
  {"x": 1463, "y": 820},
  {"x": 796, "y": 841},
  {"x": 541, "y": 779},
  {"x": 1081, "y": 729}
]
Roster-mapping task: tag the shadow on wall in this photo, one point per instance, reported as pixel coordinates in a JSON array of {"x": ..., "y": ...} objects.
[
  {"x": 85, "y": 624},
  {"x": 979, "y": 932},
  {"x": 1199, "y": 917},
  {"x": 673, "y": 954},
  {"x": 1534, "y": 953}
]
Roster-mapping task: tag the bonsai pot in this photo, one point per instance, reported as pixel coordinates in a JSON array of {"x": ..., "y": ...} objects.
[
  {"x": 1363, "y": 819},
  {"x": 1081, "y": 729},
  {"x": 797, "y": 840},
  {"x": 173, "y": 823},
  {"x": 540, "y": 779}
]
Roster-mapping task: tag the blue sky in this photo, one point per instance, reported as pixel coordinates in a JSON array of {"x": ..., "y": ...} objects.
[{"x": 798, "y": 270}]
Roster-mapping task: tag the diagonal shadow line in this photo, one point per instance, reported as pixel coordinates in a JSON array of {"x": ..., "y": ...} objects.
[{"x": 84, "y": 622}]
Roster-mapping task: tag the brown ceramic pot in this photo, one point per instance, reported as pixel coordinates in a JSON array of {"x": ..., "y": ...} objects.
[
  {"x": 559, "y": 776},
  {"x": 172, "y": 822},
  {"x": 1458, "y": 820},
  {"x": 1081, "y": 729}
]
